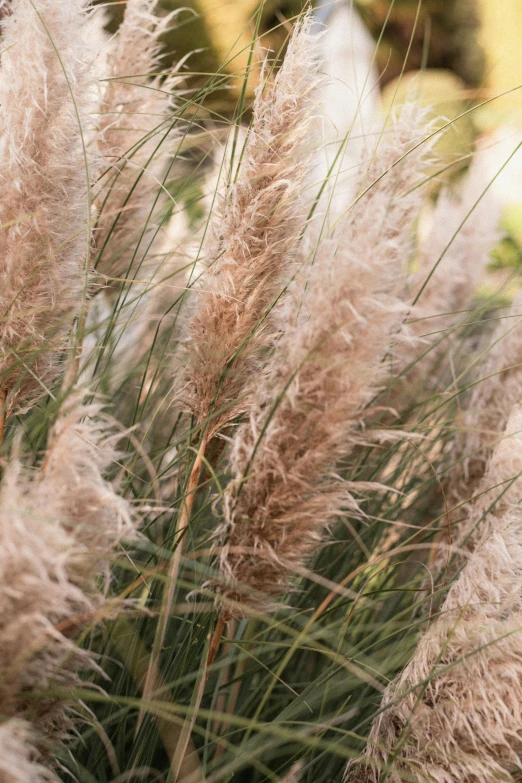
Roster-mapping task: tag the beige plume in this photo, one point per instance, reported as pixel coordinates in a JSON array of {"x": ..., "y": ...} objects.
[
  {"x": 136, "y": 124},
  {"x": 454, "y": 712},
  {"x": 254, "y": 237},
  {"x": 58, "y": 528},
  {"x": 338, "y": 322},
  {"x": 45, "y": 93}
]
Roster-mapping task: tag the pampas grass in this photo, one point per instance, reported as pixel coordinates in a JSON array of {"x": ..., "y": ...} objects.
[
  {"x": 18, "y": 757},
  {"x": 454, "y": 712},
  {"x": 58, "y": 527},
  {"x": 239, "y": 399},
  {"x": 495, "y": 392},
  {"x": 136, "y": 118},
  {"x": 46, "y": 89},
  {"x": 254, "y": 238},
  {"x": 337, "y": 322}
]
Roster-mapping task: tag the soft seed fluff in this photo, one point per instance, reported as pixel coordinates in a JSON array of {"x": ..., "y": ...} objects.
[
  {"x": 452, "y": 261},
  {"x": 485, "y": 500},
  {"x": 254, "y": 236},
  {"x": 74, "y": 487},
  {"x": 19, "y": 759},
  {"x": 337, "y": 323},
  {"x": 454, "y": 715},
  {"x": 498, "y": 388},
  {"x": 45, "y": 93},
  {"x": 37, "y": 558},
  {"x": 135, "y": 123},
  {"x": 57, "y": 529}
]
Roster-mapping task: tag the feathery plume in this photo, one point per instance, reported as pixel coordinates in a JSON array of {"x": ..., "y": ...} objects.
[
  {"x": 254, "y": 239},
  {"x": 73, "y": 487},
  {"x": 437, "y": 726},
  {"x": 492, "y": 398},
  {"x": 19, "y": 757},
  {"x": 37, "y": 558},
  {"x": 488, "y": 452},
  {"x": 452, "y": 260},
  {"x": 454, "y": 713},
  {"x": 337, "y": 325},
  {"x": 135, "y": 123},
  {"x": 45, "y": 93},
  {"x": 56, "y": 530},
  {"x": 501, "y": 485}
]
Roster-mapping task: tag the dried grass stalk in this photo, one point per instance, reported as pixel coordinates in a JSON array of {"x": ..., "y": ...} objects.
[
  {"x": 337, "y": 325},
  {"x": 135, "y": 123},
  {"x": 45, "y": 93},
  {"x": 254, "y": 237},
  {"x": 56, "y": 530}
]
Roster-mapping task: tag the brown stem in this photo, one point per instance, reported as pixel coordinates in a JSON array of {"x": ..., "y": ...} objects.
[
  {"x": 186, "y": 513},
  {"x": 175, "y": 562}
]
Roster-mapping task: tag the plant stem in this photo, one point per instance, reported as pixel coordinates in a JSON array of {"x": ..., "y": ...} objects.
[
  {"x": 133, "y": 654},
  {"x": 180, "y": 756},
  {"x": 175, "y": 562},
  {"x": 186, "y": 513}
]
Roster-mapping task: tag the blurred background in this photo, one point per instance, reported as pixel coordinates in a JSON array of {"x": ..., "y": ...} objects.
[
  {"x": 477, "y": 41},
  {"x": 461, "y": 58}
]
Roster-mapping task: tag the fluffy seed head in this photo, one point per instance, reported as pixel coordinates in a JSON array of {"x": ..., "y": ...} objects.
[
  {"x": 454, "y": 714},
  {"x": 19, "y": 757},
  {"x": 254, "y": 238},
  {"x": 73, "y": 486},
  {"x": 337, "y": 324},
  {"x": 57, "y": 529},
  {"x": 45, "y": 93},
  {"x": 495, "y": 393},
  {"x": 136, "y": 118}
]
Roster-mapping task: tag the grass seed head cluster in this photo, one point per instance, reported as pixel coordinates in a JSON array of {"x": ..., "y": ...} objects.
[{"x": 303, "y": 433}]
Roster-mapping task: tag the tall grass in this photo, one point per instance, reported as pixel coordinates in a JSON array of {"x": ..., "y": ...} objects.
[{"x": 304, "y": 413}]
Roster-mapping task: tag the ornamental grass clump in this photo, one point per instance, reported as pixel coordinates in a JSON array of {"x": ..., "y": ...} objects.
[
  {"x": 59, "y": 527},
  {"x": 317, "y": 558},
  {"x": 136, "y": 121}
]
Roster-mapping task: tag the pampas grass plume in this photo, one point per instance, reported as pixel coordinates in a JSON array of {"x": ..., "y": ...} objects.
[
  {"x": 338, "y": 322},
  {"x": 45, "y": 93},
  {"x": 18, "y": 757},
  {"x": 452, "y": 261},
  {"x": 254, "y": 238},
  {"x": 492, "y": 398},
  {"x": 57, "y": 529},
  {"x": 454, "y": 712},
  {"x": 136, "y": 118}
]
